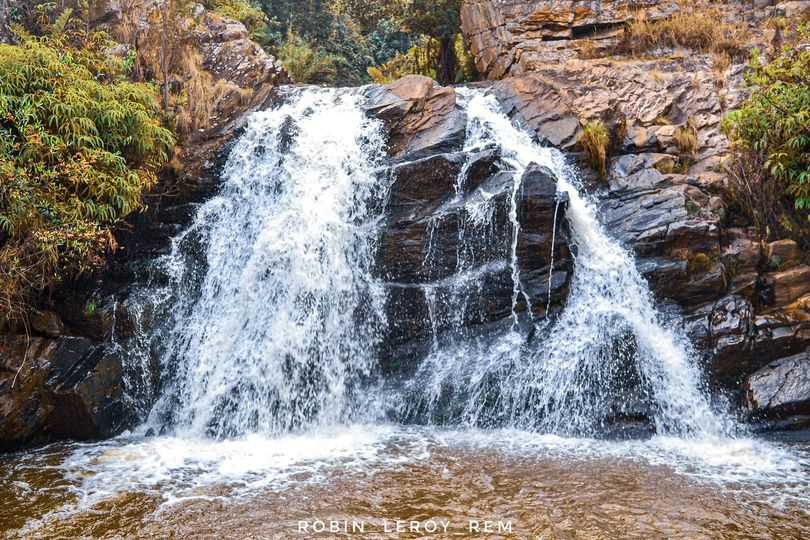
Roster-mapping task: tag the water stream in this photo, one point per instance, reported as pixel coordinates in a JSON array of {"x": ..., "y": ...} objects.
[{"x": 271, "y": 409}]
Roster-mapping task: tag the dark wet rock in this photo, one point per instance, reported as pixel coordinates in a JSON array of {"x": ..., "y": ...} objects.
[
  {"x": 738, "y": 342},
  {"x": 780, "y": 392},
  {"x": 783, "y": 254},
  {"x": 420, "y": 249},
  {"x": 450, "y": 236},
  {"x": 789, "y": 285},
  {"x": 742, "y": 258},
  {"x": 47, "y": 323},
  {"x": 57, "y": 389}
]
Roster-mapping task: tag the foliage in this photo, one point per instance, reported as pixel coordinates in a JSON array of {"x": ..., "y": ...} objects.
[
  {"x": 379, "y": 37},
  {"x": 686, "y": 139},
  {"x": 78, "y": 147},
  {"x": 698, "y": 263},
  {"x": 775, "y": 120},
  {"x": 244, "y": 11},
  {"x": 595, "y": 140},
  {"x": 310, "y": 19},
  {"x": 416, "y": 61},
  {"x": 350, "y": 53},
  {"x": 303, "y": 62},
  {"x": 387, "y": 40},
  {"x": 440, "y": 20}
]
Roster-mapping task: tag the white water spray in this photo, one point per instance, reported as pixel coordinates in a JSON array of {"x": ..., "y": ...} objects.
[{"x": 287, "y": 315}]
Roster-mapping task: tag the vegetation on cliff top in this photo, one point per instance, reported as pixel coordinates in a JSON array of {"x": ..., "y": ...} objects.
[
  {"x": 365, "y": 39},
  {"x": 771, "y": 137},
  {"x": 79, "y": 144}
]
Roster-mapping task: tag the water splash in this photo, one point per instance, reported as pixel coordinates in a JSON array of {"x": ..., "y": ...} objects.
[{"x": 287, "y": 316}]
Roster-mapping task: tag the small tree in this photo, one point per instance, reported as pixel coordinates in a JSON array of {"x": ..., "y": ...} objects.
[
  {"x": 440, "y": 20},
  {"x": 773, "y": 125}
]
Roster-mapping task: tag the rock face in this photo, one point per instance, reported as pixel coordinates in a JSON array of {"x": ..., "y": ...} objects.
[
  {"x": 508, "y": 37},
  {"x": 433, "y": 245},
  {"x": 555, "y": 67},
  {"x": 5, "y": 33},
  {"x": 781, "y": 392},
  {"x": 422, "y": 118},
  {"x": 57, "y": 388}
]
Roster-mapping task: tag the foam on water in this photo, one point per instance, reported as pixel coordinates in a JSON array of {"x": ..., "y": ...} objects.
[{"x": 177, "y": 469}]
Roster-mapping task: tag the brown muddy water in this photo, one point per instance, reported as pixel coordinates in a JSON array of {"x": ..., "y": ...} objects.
[{"x": 394, "y": 482}]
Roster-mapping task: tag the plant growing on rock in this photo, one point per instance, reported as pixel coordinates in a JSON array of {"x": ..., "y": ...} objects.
[
  {"x": 686, "y": 139},
  {"x": 770, "y": 134},
  {"x": 243, "y": 11},
  {"x": 78, "y": 147},
  {"x": 698, "y": 263},
  {"x": 595, "y": 141},
  {"x": 695, "y": 27}
]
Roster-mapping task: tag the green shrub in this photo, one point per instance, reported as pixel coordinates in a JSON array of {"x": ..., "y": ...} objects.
[
  {"x": 698, "y": 263},
  {"x": 78, "y": 147},
  {"x": 305, "y": 63},
  {"x": 417, "y": 60},
  {"x": 774, "y": 122}
]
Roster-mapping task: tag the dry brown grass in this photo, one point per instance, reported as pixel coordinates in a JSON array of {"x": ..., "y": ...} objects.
[
  {"x": 686, "y": 139},
  {"x": 698, "y": 28},
  {"x": 595, "y": 141}
]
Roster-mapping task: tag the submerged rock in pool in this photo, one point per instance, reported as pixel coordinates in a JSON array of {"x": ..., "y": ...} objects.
[{"x": 780, "y": 392}]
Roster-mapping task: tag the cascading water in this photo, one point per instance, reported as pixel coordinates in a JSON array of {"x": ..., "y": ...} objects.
[
  {"x": 608, "y": 349},
  {"x": 276, "y": 323}
]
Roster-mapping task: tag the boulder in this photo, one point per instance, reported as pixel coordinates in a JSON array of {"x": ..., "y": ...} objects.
[
  {"x": 781, "y": 391},
  {"x": 422, "y": 117},
  {"x": 789, "y": 285},
  {"x": 784, "y": 254},
  {"x": 47, "y": 323},
  {"x": 62, "y": 388}
]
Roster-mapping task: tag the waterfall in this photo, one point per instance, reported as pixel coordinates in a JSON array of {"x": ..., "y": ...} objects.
[
  {"x": 278, "y": 314},
  {"x": 276, "y": 317},
  {"x": 608, "y": 352}
]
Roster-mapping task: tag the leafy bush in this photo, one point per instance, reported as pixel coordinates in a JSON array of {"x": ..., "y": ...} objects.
[
  {"x": 78, "y": 147},
  {"x": 775, "y": 119},
  {"x": 416, "y": 61},
  {"x": 243, "y": 11},
  {"x": 305, "y": 63},
  {"x": 595, "y": 141}
]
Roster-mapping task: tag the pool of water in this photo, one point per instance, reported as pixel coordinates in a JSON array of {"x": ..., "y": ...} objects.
[{"x": 398, "y": 482}]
